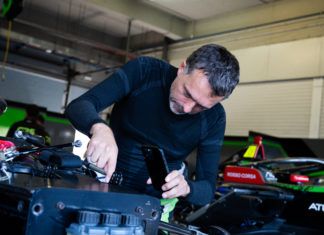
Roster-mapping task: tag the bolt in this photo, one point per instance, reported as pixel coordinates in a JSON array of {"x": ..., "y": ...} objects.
[
  {"x": 139, "y": 210},
  {"x": 60, "y": 205}
]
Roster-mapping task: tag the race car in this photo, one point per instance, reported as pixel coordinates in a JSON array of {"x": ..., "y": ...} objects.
[{"x": 257, "y": 195}]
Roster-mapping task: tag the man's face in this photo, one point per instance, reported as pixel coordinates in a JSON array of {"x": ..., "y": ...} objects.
[{"x": 191, "y": 93}]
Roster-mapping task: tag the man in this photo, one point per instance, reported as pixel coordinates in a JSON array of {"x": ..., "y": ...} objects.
[
  {"x": 32, "y": 124},
  {"x": 177, "y": 109}
]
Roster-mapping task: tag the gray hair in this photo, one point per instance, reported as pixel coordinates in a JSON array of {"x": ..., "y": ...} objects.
[{"x": 219, "y": 65}]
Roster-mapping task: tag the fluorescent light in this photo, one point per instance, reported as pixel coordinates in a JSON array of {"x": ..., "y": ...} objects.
[{"x": 87, "y": 78}]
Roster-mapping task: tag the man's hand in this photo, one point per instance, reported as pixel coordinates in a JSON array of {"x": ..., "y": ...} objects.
[
  {"x": 102, "y": 149},
  {"x": 175, "y": 186}
]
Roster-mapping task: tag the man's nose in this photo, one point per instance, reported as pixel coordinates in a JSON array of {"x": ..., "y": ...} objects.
[{"x": 188, "y": 106}]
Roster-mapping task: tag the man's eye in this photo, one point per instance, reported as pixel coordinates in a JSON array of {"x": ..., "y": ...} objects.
[{"x": 187, "y": 95}]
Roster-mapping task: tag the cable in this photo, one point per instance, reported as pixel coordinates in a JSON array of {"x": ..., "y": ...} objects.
[{"x": 5, "y": 57}]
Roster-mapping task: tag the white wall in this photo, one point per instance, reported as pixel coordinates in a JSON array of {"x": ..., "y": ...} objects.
[
  {"x": 296, "y": 59},
  {"x": 31, "y": 88},
  {"x": 321, "y": 128},
  {"x": 280, "y": 109},
  {"x": 280, "y": 91}
]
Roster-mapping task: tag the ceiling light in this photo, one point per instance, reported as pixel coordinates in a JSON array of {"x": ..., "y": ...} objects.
[{"x": 87, "y": 78}]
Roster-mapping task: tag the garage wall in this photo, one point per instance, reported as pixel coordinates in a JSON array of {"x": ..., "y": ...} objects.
[
  {"x": 281, "y": 90},
  {"x": 321, "y": 129},
  {"x": 288, "y": 102},
  {"x": 276, "y": 108},
  {"x": 31, "y": 88},
  {"x": 297, "y": 59}
]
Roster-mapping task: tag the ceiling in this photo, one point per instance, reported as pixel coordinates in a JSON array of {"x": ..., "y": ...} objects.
[
  {"x": 201, "y": 9},
  {"x": 85, "y": 40}
]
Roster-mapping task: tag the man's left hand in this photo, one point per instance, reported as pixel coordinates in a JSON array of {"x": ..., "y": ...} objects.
[{"x": 175, "y": 186}]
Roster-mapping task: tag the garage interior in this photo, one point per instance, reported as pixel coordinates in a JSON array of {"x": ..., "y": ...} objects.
[
  {"x": 54, "y": 51},
  {"x": 279, "y": 45}
]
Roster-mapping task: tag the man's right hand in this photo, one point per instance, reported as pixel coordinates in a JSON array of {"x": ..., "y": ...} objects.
[{"x": 102, "y": 149}]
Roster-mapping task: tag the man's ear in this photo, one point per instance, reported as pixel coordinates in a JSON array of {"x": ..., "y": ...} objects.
[{"x": 181, "y": 67}]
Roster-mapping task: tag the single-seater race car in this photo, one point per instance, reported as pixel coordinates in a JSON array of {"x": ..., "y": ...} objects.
[{"x": 258, "y": 195}]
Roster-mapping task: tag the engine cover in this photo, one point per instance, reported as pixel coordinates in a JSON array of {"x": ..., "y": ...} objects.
[{"x": 36, "y": 205}]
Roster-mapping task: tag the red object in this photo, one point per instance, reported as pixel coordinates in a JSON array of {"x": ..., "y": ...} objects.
[
  {"x": 258, "y": 142},
  {"x": 243, "y": 175},
  {"x": 4, "y": 144},
  {"x": 299, "y": 178}
]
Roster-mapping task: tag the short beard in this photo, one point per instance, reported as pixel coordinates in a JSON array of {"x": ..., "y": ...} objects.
[{"x": 175, "y": 108}]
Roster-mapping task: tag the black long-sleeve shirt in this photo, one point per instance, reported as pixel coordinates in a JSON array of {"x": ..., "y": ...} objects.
[{"x": 141, "y": 115}]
